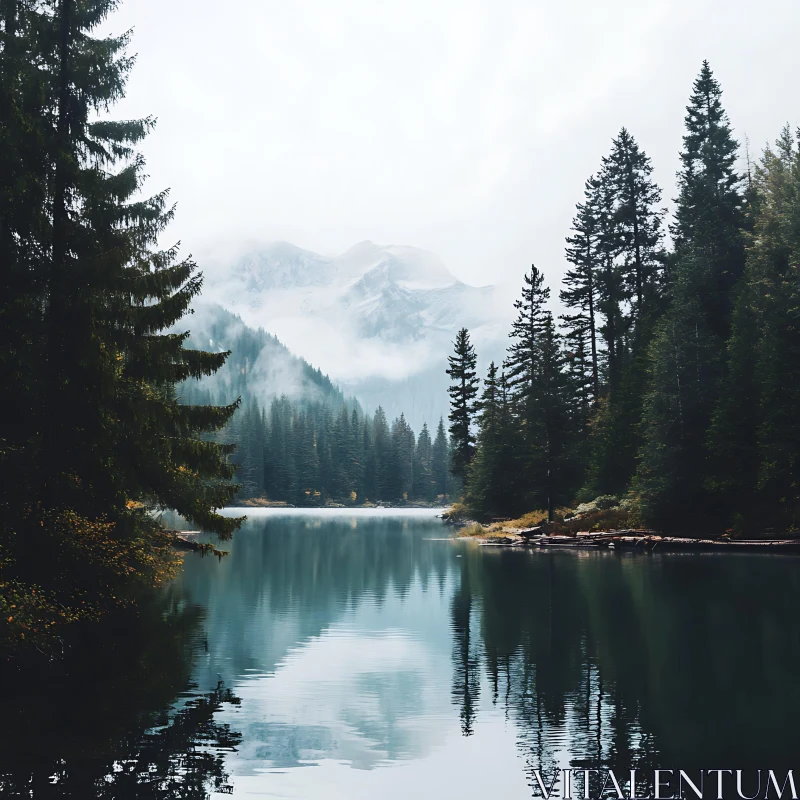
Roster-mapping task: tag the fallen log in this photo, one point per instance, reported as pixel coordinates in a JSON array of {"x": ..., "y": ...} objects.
[{"x": 651, "y": 540}]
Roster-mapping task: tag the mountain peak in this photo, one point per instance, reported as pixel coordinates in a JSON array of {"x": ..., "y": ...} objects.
[{"x": 409, "y": 267}]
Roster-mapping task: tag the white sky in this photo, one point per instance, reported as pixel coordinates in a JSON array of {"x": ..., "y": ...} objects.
[{"x": 466, "y": 127}]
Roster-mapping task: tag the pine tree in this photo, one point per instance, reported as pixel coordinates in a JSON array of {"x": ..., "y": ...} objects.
[
  {"x": 538, "y": 389},
  {"x": 106, "y": 438},
  {"x": 463, "y": 391},
  {"x": 382, "y": 446},
  {"x": 580, "y": 374},
  {"x": 23, "y": 234},
  {"x": 491, "y": 484},
  {"x": 555, "y": 450},
  {"x": 356, "y": 453},
  {"x": 370, "y": 487},
  {"x": 307, "y": 459},
  {"x": 440, "y": 461},
  {"x": 709, "y": 216},
  {"x": 635, "y": 199},
  {"x": 523, "y": 370},
  {"x": 687, "y": 352},
  {"x": 629, "y": 285},
  {"x": 580, "y": 290},
  {"x": 612, "y": 292},
  {"x": 424, "y": 486},
  {"x": 755, "y": 437},
  {"x": 522, "y": 363},
  {"x": 402, "y": 458},
  {"x": 341, "y": 454}
]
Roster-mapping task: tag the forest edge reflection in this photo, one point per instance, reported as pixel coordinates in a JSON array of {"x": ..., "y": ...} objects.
[{"x": 598, "y": 660}]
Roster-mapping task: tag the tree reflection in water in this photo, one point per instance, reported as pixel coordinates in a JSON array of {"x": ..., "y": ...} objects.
[
  {"x": 633, "y": 661},
  {"x": 119, "y": 718}
]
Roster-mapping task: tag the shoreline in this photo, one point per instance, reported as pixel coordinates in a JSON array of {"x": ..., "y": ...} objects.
[
  {"x": 281, "y": 504},
  {"x": 641, "y": 541}
]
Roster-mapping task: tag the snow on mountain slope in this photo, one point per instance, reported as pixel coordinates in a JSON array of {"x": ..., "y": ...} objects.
[{"x": 379, "y": 320}]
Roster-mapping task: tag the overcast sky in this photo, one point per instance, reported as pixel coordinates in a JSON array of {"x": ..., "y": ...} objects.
[{"x": 466, "y": 127}]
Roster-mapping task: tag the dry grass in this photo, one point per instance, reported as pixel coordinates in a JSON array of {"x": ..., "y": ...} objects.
[
  {"x": 458, "y": 512},
  {"x": 478, "y": 531},
  {"x": 597, "y": 520},
  {"x": 262, "y": 502}
]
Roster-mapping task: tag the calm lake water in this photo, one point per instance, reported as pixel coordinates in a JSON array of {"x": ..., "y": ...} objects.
[{"x": 358, "y": 655}]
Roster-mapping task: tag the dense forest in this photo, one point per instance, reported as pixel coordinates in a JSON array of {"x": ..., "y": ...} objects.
[
  {"x": 673, "y": 377},
  {"x": 312, "y": 453},
  {"x": 93, "y": 439},
  {"x": 299, "y": 440}
]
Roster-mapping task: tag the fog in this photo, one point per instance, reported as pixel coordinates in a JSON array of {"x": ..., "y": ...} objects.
[{"x": 464, "y": 127}]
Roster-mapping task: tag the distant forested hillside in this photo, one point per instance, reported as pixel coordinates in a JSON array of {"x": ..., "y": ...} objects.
[
  {"x": 258, "y": 368},
  {"x": 298, "y": 438}
]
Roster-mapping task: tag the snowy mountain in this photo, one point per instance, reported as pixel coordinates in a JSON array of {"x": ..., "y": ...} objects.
[{"x": 380, "y": 320}]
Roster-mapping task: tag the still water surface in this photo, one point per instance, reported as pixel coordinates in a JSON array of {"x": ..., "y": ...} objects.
[{"x": 355, "y": 655}]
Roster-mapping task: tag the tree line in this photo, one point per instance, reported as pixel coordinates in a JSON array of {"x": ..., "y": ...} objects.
[
  {"x": 673, "y": 375},
  {"x": 309, "y": 453},
  {"x": 92, "y": 438}
]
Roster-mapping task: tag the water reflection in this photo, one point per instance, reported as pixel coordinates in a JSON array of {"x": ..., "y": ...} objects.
[
  {"x": 360, "y": 656},
  {"x": 609, "y": 661},
  {"x": 119, "y": 718},
  {"x": 335, "y": 632}
]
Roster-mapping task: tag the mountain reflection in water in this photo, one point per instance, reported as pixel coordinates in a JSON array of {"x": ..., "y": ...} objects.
[{"x": 356, "y": 654}]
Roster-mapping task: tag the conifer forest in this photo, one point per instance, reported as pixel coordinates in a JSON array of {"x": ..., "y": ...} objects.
[
  {"x": 671, "y": 378},
  {"x": 664, "y": 372},
  {"x": 399, "y": 399}
]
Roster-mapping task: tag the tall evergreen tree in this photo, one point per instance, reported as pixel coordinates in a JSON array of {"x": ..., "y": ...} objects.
[
  {"x": 382, "y": 446},
  {"x": 638, "y": 219},
  {"x": 708, "y": 215},
  {"x": 630, "y": 288},
  {"x": 755, "y": 436},
  {"x": 612, "y": 291},
  {"x": 463, "y": 391},
  {"x": 492, "y": 481},
  {"x": 538, "y": 388},
  {"x": 440, "y": 460},
  {"x": 580, "y": 290},
  {"x": 424, "y": 486},
  {"x": 688, "y": 347},
  {"x": 106, "y": 438},
  {"x": 403, "y": 445},
  {"x": 356, "y": 452},
  {"x": 522, "y": 362}
]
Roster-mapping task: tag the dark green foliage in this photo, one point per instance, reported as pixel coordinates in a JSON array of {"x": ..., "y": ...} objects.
[
  {"x": 616, "y": 289},
  {"x": 708, "y": 216},
  {"x": 674, "y": 377},
  {"x": 440, "y": 460},
  {"x": 755, "y": 438},
  {"x": 424, "y": 487},
  {"x": 637, "y": 219},
  {"x": 687, "y": 354},
  {"x": 686, "y": 364},
  {"x": 492, "y": 485},
  {"x": 403, "y": 447},
  {"x": 580, "y": 290},
  {"x": 463, "y": 391},
  {"x": 525, "y": 456},
  {"x": 90, "y": 313},
  {"x": 538, "y": 389},
  {"x": 307, "y": 453}
]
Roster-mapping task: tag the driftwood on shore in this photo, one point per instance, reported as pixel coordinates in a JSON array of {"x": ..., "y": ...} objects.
[{"x": 653, "y": 541}]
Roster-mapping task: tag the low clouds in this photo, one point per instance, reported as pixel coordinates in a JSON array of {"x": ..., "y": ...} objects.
[{"x": 465, "y": 127}]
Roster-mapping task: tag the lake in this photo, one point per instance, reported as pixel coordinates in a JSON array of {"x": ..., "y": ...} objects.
[{"x": 341, "y": 654}]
